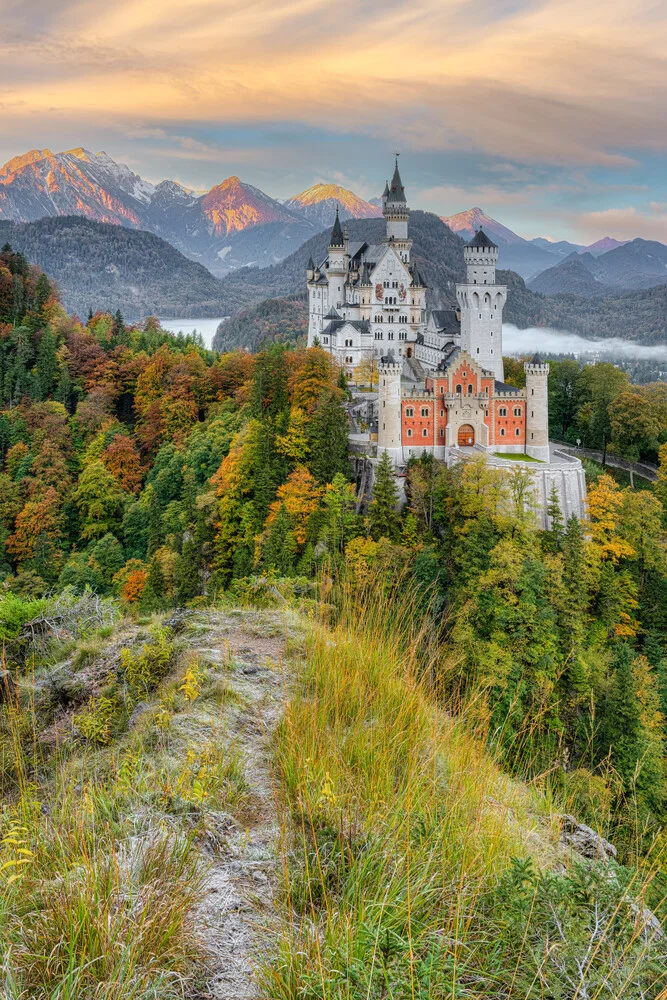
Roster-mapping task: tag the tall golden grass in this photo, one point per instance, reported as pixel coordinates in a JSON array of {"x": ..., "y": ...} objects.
[{"x": 404, "y": 837}]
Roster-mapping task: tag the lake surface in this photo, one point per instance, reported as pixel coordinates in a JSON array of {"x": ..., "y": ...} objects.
[{"x": 206, "y": 327}]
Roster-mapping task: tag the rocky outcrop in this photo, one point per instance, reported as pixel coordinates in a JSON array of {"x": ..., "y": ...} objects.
[{"x": 584, "y": 840}]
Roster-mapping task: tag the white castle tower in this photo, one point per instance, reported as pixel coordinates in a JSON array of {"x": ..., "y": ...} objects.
[
  {"x": 481, "y": 303},
  {"x": 396, "y": 213},
  {"x": 537, "y": 409},
  {"x": 389, "y": 409},
  {"x": 338, "y": 265}
]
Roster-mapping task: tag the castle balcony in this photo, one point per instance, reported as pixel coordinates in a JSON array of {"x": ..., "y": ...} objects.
[{"x": 454, "y": 400}]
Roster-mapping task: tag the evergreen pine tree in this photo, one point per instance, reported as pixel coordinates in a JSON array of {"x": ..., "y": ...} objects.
[
  {"x": 65, "y": 390},
  {"x": 42, "y": 292},
  {"x": 154, "y": 519},
  {"x": 383, "y": 518},
  {"x": 280, "y": 547},
  {"x": 632, "y": 728},
  {"x": 153, "y": 596},
  {"x": 46, "y": 368},
  {"x": 186, "y": 571},
  {"x": 553, "y": 536},
  {"x": 327, "y": 434}
]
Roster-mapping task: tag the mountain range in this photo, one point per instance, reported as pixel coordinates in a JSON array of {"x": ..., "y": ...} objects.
[
  {"x": 235, "y": 225},
  {"x": 114, "y": 240},
  {"x": 633, "y": 265},
  {"x": 527, "y": 257},
  {"x": 232, "y": 225}
]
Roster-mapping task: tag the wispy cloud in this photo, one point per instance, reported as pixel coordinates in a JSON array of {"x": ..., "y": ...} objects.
[{"x": 553, "y": 81}]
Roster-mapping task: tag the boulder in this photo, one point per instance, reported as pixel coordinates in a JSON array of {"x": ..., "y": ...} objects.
[{"x": 584, "y": 840}]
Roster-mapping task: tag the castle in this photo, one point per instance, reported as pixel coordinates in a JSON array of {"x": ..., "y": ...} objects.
[{"x": 441, "y": 377}]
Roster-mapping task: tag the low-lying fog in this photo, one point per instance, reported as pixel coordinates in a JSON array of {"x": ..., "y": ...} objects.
[
  {"x": 515, "y": 341},
  {"x": 545, "y": 341}
]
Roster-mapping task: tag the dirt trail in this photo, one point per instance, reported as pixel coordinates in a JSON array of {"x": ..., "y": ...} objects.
[{"x": 234, "y": 918}]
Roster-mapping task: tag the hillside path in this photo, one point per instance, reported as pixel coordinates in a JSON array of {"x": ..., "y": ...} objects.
[{"x": 234, "y": 920}]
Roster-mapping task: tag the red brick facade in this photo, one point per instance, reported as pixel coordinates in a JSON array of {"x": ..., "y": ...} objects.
[{"x": 448, "y": 395}]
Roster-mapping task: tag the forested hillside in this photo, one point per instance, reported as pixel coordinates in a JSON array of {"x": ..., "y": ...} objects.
[
  {"x": 273, "y": 320},
  {"x": 640, "y": 316},
  {"x": 468, "y": 690},
  {"x": 107, "y": 267}
]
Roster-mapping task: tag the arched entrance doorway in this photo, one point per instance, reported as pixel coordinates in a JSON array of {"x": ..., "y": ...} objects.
[{"x": 466, "y": 436}]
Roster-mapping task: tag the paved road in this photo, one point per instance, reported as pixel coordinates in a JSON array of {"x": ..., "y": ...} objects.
[{"x": 638, "y": 468}]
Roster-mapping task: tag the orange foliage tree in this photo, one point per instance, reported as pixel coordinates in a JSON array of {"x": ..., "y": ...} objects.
[
  {"x": 39, "y": 517},
  {"x": 122, "y": 460},
  {"x": 300, "y": 496}
]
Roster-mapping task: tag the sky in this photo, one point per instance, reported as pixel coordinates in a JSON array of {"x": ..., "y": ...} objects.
[{"x": 551, "y": 115}]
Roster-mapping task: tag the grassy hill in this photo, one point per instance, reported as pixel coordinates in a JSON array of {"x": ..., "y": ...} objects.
[{"x": 201, "y": 770}]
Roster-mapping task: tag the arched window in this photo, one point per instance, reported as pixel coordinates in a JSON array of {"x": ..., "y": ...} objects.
[
  {"x": 409, "y": 432},
  {"x": 518, "y": 431},
  {"x": 425, "y": 411},
  {"x": 502, "y": 412},
  {"x": 469, "y": 389},
  {"x": 502, "y": 432},
  {"x": 425, "y": 432},
  {"x": 409, "y": 412},
  {"x": 458, "y": 389},
  {"x": 517, "y": 411}
]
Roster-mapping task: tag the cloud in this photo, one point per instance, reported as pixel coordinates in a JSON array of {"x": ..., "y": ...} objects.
[
  {"x": 626, "y": 223},
  {"x": 548, "y": 341},
  {"x": 550, "y": 82}
]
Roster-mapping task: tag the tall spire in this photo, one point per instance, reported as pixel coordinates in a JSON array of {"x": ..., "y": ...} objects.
[
  {"x": 337, "y": 238},
  {"x": 396, "y": 191}
]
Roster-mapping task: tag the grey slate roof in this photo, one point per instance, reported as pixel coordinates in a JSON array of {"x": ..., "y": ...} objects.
[
  {"x": 480, "y": 239},
  {"x": 445, "y": 319},
  {"x": 396, "y": 191},
  {"x": 503, "y": 389},
  {"x": 337, "y": 324},
  {"x": 337, "y": 238}
]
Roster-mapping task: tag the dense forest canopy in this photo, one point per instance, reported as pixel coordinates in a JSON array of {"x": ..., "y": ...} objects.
[{"x": 138, "y": 464}]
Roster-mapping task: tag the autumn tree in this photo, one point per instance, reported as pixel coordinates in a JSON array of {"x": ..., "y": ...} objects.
[{"x": 100, "y": 501}]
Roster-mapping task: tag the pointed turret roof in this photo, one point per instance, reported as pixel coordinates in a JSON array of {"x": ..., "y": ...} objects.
[
  {"x": 364, "y": 277},
  {"x": 397, "y": 191},
  {"x": 311, "y": 264},
  {"x": 480, "y": 239},
  {"x": 332, "y": 314},
  {"x": 337, "y": 238},
  {"x": 417, "y": 279},
  {"x": 385, "y": 193}
]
